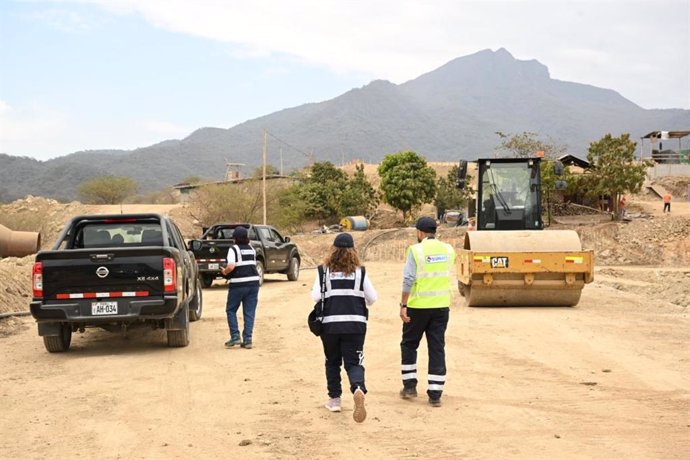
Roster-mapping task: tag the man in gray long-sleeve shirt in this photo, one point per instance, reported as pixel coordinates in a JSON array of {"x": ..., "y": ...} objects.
[{"x": 424, "y": 309}]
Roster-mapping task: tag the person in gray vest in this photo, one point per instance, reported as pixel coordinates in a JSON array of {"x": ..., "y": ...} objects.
[
  {"x": 243, "y": 287},
  {"x": 348, "y": 292}
]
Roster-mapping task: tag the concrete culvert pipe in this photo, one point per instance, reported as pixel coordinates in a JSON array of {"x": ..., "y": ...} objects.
[{"x": 18, "y": 244}]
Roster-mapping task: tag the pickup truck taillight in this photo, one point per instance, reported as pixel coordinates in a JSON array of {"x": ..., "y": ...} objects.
[
  {"x": 169, "y": 274},
  {"x": 37, "y": 279}
]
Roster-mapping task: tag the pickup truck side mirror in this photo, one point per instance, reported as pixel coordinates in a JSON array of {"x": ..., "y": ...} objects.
[{"x": 286, "y": 239}]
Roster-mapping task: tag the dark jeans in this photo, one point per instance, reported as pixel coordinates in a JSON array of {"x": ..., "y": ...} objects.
[
  {"x": 667, "y": 207},
  {"x": 248, "y": 296},
  {"x": 431, "y": 322},
  {"x": 345, "y": 349}
]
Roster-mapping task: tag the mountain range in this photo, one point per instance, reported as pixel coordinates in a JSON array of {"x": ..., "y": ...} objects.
[{"x": 448, "y": 114}]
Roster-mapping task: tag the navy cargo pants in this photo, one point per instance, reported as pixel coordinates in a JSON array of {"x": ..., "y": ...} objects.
[{"x": 431, "y": 322}]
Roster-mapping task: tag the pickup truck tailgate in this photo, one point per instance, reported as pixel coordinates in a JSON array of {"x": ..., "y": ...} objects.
[{"x": 108, "y": 272}]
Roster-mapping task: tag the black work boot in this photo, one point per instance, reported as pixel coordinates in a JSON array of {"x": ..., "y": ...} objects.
[{"x": 408, "y": 392}]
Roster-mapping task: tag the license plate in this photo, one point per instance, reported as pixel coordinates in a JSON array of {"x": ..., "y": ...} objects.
[
  {"x": 104, "y": 308},
  {"x": 213, "y": 266}
]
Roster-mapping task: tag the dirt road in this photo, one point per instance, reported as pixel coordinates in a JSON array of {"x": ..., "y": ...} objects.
[{"x": 607, "y": 379}]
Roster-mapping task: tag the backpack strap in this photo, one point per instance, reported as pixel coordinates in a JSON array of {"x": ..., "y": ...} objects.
[{"x": 322, "y": 280}]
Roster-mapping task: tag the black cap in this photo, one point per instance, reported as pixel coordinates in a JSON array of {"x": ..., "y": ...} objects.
[
  {"x": 426, "y": 225},
  {"x": 240, "y": 232},
  {"x": 344, "y": 240}
]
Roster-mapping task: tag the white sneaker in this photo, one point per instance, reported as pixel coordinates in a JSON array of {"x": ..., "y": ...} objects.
[
  {"x": 333, "y": 405},
  {"x": 360, "y": 413}
]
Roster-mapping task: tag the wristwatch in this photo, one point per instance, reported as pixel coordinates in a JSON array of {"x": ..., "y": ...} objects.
[{"x": 403, "y": 305}]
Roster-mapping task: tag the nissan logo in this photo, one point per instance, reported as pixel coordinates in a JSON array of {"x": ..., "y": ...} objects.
[{"x": 102, "y": 272}]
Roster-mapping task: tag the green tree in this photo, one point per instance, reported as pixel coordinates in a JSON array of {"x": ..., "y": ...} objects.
[
  {"x": 407, "y": 182},
  {"x": 448, "y": 195},
  {"x": 292, "y": 208},
  {"x": 615, "y": 171},
  {"x": 322, "y": 190},
  {"x": 527, "y": 145},
  {"x": 107, "y": 189},
  {"x": 359, "y": 196},
  {"x": 549, "y": 192}
]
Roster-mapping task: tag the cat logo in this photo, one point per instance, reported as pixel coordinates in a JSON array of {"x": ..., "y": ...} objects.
[{"x": 499, "y": 262}]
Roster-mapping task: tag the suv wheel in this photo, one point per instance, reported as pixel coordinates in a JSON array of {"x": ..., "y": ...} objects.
[
  {"x": 206, "y": 280},
  {"x": 195, "y": 304},
  {"x": 293, "y": 269},
  {"x": 260, "y": 269},
  {"x": 59, "y": 343},
  {"x": 180, "y": 337}
]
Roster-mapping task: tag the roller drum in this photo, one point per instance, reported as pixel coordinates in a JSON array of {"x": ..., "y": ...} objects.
[{"x": 509, "y": 288}]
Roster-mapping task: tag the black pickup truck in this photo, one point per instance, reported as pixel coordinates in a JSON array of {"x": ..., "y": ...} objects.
[
  {"x": 274, "y": 253},
  {"x": 115, "y": 272}
]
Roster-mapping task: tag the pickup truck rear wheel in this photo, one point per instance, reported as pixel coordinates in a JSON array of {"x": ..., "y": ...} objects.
[
  {"x": 195, "y": 304},
  {"x": 207, "y": 280},
  {"x": 59, "y": 343},
  {"x": 180, "y": 337},
  {"x": 260, "y": 269},
  {"x": 293, "y": 269}
]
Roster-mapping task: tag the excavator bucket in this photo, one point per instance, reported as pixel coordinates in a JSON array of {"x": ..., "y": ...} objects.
[{"x": 523, "y": 268}]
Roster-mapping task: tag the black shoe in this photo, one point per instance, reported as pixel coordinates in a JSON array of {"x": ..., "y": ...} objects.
[
  {"x": 408, "y": 392},
  {"x": 435, "y": 402},
  {"x": 247, "y": 345},
  {"x": 232, "y": 342}
]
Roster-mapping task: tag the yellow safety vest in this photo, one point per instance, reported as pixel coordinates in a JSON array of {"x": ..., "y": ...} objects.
[{"x": 432, "y": 285}]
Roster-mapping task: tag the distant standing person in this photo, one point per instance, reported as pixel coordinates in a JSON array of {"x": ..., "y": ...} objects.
[
  {"x": 348, "y": 292},
  {"x": 243, "y": 287},
  {"x": 667, "y": 202},
  {"x": 425, "y": 308}
]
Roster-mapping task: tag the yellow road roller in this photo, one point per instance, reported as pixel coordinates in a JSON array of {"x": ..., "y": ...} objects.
[{"x": 508, "y": 259}]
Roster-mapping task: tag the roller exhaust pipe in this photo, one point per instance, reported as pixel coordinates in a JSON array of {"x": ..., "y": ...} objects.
[{"x": 18, "y": 244}]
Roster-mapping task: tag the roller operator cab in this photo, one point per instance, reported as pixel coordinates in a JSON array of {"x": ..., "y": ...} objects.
[
  {"x": 508, "y": 260},
  {"x": 509, "y": 194}
]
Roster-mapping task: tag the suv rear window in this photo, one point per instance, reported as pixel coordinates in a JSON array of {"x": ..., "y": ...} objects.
[{"x": 95, "y": 235}]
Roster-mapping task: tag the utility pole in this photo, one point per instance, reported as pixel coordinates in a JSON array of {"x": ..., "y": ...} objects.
[
  {"x": 281, "y": 161},
  {"x": 264, "y": 172}
]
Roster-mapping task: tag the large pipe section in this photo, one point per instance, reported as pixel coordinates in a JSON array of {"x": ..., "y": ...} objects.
[{"x": 18, "y": 244}]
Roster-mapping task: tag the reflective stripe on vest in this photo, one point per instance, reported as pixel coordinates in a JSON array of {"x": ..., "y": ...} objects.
[
  {"x": 344, "y": 318},
  {"x": 431, "y": 288},
  {"x": 346, "y": 311},
  {"x": 245, "y": 265}
]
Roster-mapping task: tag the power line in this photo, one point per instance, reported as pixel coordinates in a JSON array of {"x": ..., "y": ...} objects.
[{"x": 307, "y": 155}]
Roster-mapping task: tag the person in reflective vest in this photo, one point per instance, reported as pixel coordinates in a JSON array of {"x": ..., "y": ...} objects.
[
  {"x": 348, "y": 293},
  {"x": 243, "y": 287},
  {"x": 424, "y": 309}
]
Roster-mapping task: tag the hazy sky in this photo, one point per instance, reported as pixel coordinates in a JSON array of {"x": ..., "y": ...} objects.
[{"x": 120, "y": 74}]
